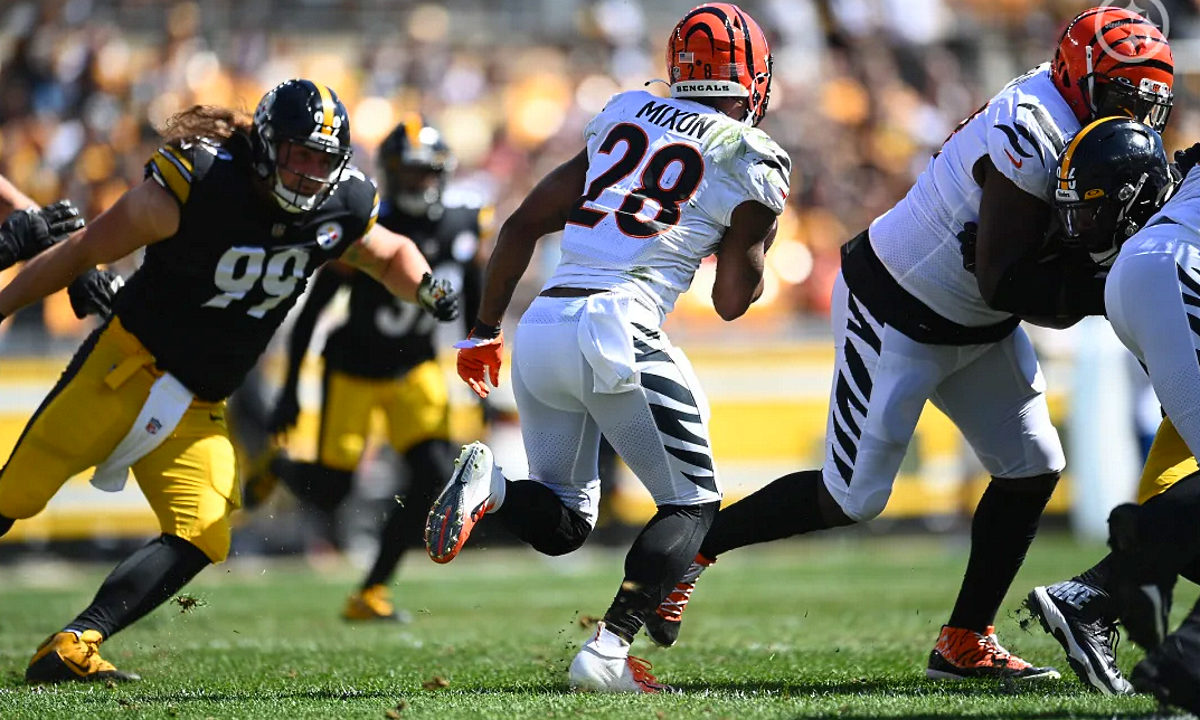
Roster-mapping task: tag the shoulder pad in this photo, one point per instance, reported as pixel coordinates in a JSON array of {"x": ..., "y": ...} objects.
[{"x": 176, "y": 166}]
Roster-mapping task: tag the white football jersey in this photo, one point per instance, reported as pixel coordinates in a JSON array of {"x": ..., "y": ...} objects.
[
  {"x": 1022, "y": 129},
  {"x": 664, "y": 176}
]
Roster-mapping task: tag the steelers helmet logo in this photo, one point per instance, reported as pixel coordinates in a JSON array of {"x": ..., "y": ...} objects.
[
  {"x": 1130, "y": 51},
  {"x": 328, "y": 235}
]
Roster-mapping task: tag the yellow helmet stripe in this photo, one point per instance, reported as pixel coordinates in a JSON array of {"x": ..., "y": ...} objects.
[
  {"x": 1065, "y": 170},
  {"x": 326, "y": 109}
]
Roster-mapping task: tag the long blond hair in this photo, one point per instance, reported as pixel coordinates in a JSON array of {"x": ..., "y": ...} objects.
[{"x": 210, "y": 121}]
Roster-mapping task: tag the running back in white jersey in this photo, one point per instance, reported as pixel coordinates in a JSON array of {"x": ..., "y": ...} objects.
[
  {"x": 1022, "y": 130},
  {"x": 664, "y": 176}
]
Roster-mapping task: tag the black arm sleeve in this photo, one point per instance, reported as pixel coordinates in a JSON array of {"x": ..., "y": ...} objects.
[
  {"x": 325, "y": 285},
  {"x": 1064, "y": 285},
  {"x": 472, "y": 291}
]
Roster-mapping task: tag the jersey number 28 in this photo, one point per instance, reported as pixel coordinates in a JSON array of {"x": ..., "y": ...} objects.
[{"x": 686, "y": 162}]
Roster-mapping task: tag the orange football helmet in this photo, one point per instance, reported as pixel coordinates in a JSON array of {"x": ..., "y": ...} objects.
[
  {"x": 1112, "y": 61},
  {"x": 717, "y": 50}
]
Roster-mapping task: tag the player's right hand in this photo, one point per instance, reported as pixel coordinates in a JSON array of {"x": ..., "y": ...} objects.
[
  {"x": 479, "y": 360},
  {"x": 287, "y": 410}
]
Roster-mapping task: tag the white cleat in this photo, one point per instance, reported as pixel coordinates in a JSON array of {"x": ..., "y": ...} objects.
[
  {"x": 476, "y": 487},
  {"x": 605, "y": 665}
]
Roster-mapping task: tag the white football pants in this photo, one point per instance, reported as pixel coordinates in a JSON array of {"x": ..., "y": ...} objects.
[
  {"x": 994, "y": 393},
  {"x": 1153, "y": 302},
  {"x": 601, "y": 364}
]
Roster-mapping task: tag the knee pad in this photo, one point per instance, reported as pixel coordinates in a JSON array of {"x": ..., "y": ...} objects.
[{"x": 571, "y": 534}]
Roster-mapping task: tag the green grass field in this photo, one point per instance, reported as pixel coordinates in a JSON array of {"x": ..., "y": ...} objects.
[{"x": 805, "y": 629}]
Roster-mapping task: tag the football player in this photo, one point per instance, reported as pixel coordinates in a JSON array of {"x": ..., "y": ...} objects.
[
  {"x": 235, "y": 214},
  {"x": 1111, "y": 179},
  {"x": 916, "y": 319},
  {"x": 383, "y": 359},
  {"x": 661, "y": 184}
]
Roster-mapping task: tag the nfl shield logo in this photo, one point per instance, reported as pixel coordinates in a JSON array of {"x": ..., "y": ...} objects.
[{"x": 153, "y": 426}]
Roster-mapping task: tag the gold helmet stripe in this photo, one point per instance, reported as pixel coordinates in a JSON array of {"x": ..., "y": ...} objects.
[
  {"x": 326, "y": 109},
  {"x": 412, "y": 129},
  {"x": 1065, "y": 171}
]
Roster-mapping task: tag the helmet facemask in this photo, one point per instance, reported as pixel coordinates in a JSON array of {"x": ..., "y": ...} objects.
[
  {"x": 1150, "y": 102},
  {"x": 306, "y": 172},
  {"x": 1102, "y": 224}
]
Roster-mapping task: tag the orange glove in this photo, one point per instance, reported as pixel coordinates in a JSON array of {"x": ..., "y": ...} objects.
[{"x": 479, "y": 360}]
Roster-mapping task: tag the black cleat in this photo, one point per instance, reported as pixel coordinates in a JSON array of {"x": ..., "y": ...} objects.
[
  {"x": 1082, "y": 619},
  {"x": 1167, "y": 674}
]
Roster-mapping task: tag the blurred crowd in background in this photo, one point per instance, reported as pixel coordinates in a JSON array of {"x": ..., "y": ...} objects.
[{"x": 864, "y": 91}]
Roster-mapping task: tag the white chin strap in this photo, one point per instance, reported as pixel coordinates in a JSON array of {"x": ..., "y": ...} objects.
[{"x": 290, "y": 200}]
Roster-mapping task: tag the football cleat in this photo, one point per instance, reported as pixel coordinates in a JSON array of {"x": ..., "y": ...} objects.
[
  {"x": 605, "y": 665},
  {"x": 70, "y": 656},
  {"x": 1170, "y": 672},
  {"x": 663, "y": 625},
  {"x": 1082, "y": 619},
  {"x": 373, "y": 603},
  {"x": 961, "y": 654},
  {"x": 1142, "y": 603},
  {"x": 476, "y": 487}
]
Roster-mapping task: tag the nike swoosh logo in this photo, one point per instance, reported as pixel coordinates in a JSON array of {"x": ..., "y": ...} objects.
[{"x": 1015, "y": 161}]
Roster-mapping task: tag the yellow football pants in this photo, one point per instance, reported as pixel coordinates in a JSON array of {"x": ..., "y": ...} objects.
[
  {"x": 416, "y": 406},
  {"x": 190, "y": 479}
]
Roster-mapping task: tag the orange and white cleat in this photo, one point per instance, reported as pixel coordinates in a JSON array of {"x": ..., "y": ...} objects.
[
  {"x": 605, "y": 665},
  {"x": 475, "y": 488},
  {"x": 663, "y": 625},
  {"x": 961, "y": 654}
]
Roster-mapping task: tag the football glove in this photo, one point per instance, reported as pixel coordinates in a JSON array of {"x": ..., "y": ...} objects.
[
  {"x": 92, "y": 292},
  {"x": 1185, "y": 160},
  {"x": 438, "y": 297},
  {"x": 966, "y": 244},
  {"x": 479, "y": 360},
  {"x": 25, "y": 233}
]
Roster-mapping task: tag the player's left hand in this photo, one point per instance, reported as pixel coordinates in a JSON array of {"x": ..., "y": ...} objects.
[
  {"x": 966, "y": 244},
  {"x": 479, "y": 360},
  {"x": 25, "y": 233},
  {"x": 92, "y": 292},
  {"x": 438, "y": 297}
]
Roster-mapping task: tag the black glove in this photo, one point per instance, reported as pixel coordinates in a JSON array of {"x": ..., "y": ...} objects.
[
  {"x": 1186, "y": 159},
  {"x": 25, "y": 233},
  {"x": 438, "y": 297},
  {"x": 287, "y": 410},
  {"x": 92, "y": 292},
  {"x": 966, "y": 244}
]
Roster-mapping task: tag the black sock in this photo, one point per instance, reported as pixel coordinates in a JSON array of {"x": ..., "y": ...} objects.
[
  {"x": 142, "y": 582},
  {"x": 1098, "y": 575},
  {"x": 532, "y": 512},
  {"x": 1168, "y": 522},
  {"x": 315, "y": 485},
  {"x": 1004, "y": 525},
  {"x": 6, "y": 524},
  {"x": 655, "y": 563},
  {"x": 405, "y": 525},
  {"x": 791, "y": 505}
]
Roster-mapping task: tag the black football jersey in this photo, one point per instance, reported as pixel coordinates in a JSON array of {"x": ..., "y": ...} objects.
[
  {"x": 385, "y": 336},
  {"x": 207, "y": 300}
]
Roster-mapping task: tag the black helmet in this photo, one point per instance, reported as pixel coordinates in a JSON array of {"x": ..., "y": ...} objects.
[
  {"x": 1111, "y": 178},
  {"x": 415, "y": 163},
  {"x": 301, "y": 113}
]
